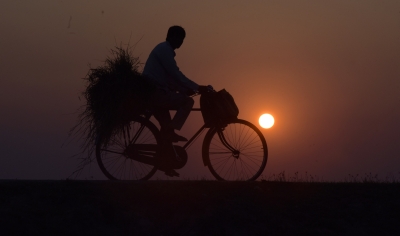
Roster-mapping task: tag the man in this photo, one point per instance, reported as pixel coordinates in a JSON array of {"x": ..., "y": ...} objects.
[{"x": 173, "y": 87}]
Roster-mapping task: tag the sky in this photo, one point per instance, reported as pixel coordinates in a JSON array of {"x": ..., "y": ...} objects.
[{"x": 328, "y": 71}]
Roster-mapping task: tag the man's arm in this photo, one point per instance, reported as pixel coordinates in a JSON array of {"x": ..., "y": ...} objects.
[{"x": 167, "y": 60}]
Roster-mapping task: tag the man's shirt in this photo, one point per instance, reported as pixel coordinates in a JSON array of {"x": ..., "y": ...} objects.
[{"x": 162, "y": 70}]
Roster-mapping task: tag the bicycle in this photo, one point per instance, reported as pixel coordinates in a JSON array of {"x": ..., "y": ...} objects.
[{"x": 233, "y": 151}]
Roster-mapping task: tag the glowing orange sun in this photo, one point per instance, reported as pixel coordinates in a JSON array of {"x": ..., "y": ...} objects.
[{"x": 266, "y": 121}]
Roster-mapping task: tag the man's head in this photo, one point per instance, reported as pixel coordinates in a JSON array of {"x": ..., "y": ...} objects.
[{"x": 175, "y": 36}]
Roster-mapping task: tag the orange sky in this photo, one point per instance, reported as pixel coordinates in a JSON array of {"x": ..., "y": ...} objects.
[{"x": 327, "y": 71}]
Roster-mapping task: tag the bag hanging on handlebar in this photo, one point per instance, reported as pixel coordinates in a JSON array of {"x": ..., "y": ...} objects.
[{"x": 218, "y": 108}]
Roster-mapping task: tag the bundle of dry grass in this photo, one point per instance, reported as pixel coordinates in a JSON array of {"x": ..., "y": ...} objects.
[{"x": 115, "y": 92}]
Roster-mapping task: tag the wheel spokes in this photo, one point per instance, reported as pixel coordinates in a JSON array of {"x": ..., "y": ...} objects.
[
  {"x": 116, "y": 160},
  {"x": 245, "y": 163}
]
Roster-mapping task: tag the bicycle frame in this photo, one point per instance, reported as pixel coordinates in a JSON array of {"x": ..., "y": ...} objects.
[
  {"x": 135, "y": 144},
  {"x": 220, "y": 134}
]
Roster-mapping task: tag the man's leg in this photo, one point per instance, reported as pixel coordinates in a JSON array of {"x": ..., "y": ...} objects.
[
  {"x": 163, "y": 102},
  {"x": 167, "y": 100},
  {"x": 184, "y": 107},
  {"x": 162, "y": 116}
]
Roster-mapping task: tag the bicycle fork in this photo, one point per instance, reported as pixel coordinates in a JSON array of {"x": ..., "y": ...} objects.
[{"x": 235, "y": 153}]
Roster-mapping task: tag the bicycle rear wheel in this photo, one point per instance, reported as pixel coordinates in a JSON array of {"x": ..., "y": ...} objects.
[
  {"x": 237, "y": 152},
  {"x": 132, "y": 153}
]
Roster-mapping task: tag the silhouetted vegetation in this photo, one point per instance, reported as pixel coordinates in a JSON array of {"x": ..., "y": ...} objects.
[{"x": 115, "y": 92}]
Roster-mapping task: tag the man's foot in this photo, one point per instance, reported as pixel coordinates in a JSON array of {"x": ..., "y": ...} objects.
[
  {"x": 171, "y": 173},
  {"x": 177, "y": 138},
  {"x": 172, "y": 136}
]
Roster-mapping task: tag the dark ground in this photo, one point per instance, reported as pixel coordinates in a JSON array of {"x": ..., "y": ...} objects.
[{"x": 198, "y": 208}]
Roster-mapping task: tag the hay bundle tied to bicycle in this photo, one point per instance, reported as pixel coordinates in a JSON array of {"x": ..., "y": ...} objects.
[{"x": 115, "y": 92}]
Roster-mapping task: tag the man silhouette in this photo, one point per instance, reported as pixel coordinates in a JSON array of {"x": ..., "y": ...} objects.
[{"x": 173, "y": 87}]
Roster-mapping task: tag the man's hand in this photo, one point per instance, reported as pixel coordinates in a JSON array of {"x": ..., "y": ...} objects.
[
  {"x": 190, "y": 92},
  {"x": 205, "y": 89}
]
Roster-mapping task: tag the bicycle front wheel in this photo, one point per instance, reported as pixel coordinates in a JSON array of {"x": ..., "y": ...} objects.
[
  {"x": 132, "y": 153},
  {"x": 237, "y": 152}
]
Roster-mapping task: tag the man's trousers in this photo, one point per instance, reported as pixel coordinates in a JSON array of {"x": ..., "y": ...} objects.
[{"x": 164, "y": 100}]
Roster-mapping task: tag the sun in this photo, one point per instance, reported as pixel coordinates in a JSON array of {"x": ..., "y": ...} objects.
[{"x": 266, "y": 121}]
